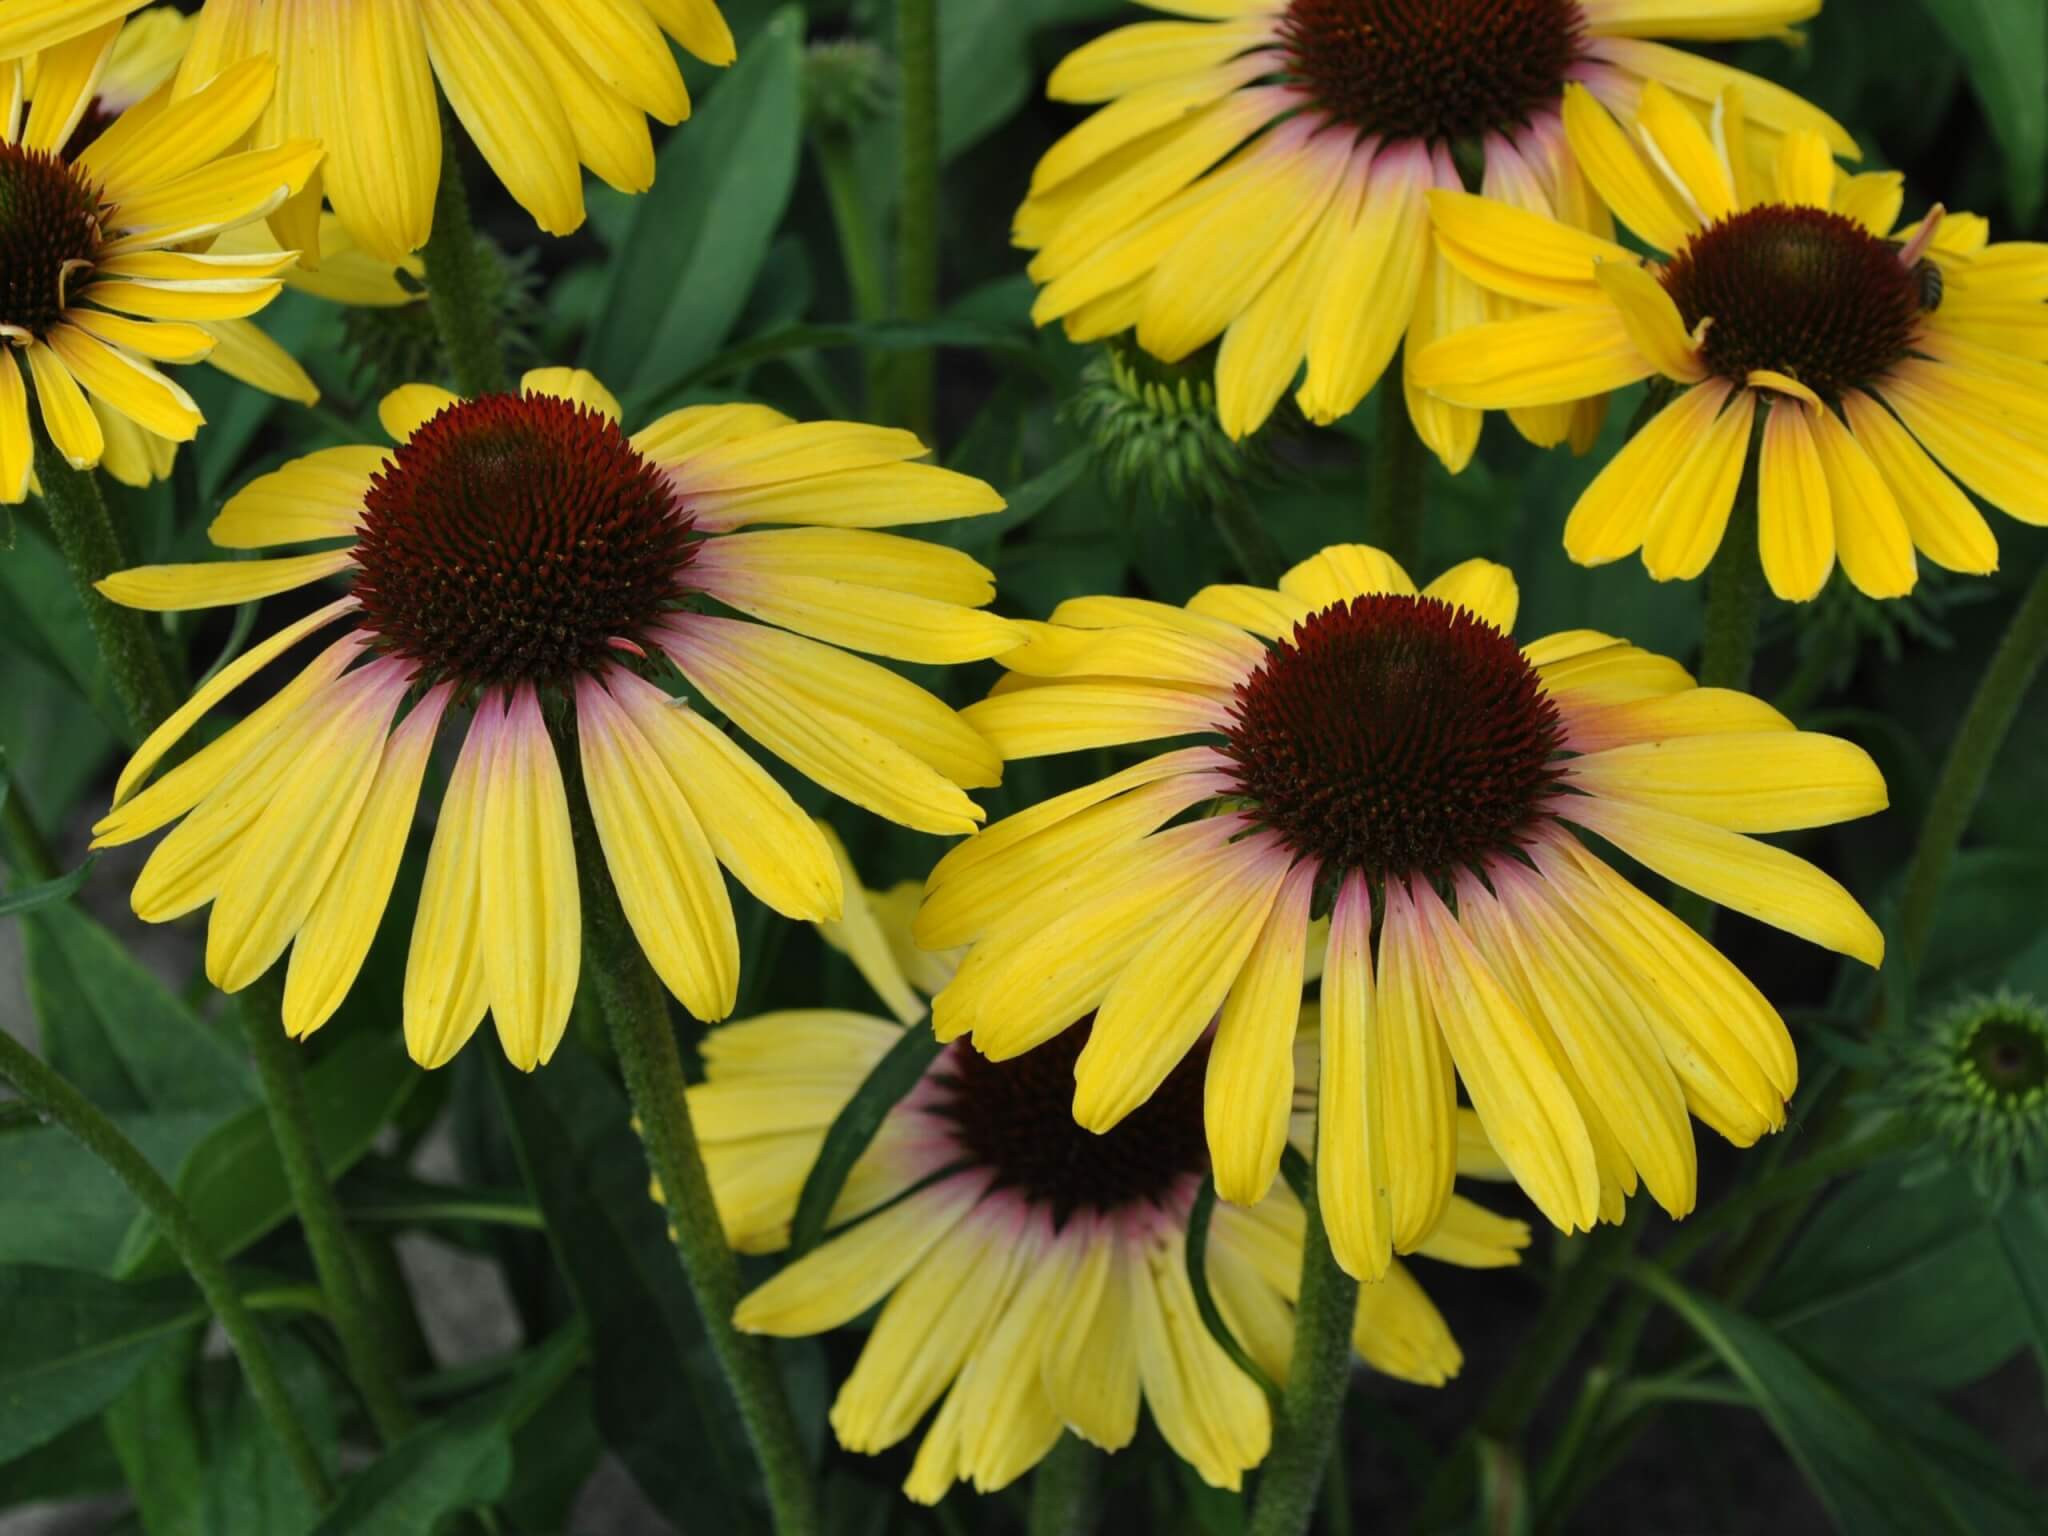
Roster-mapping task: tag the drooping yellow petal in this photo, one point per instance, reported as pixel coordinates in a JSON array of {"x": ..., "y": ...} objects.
[
  {"x": 1687, "y": 523},
  {"x": 66, "y": 417},
  {"x": 1613, "y": 514},
  {"x": 1248, "y": 1091},
  {"x": 754, "y": 827},
  {"x": 1871, "y": 535},
  {"x": 1681, "y": 148},
  {"x": 1373, "y": 282},
  {"x": 1945, "y": 525},
  {"x": 1351, "y": 1121},
  {"x": 335, "y": 939},
  {"x": 662, "y": 863},
  {"x": 1419, "y": 1096},
  {"x": 1795, "y": 525},
  {"x": 1544, "y": 358},
  {"x": 1737, "y": 872},
  {"x": 446, "y": 989},
  {"x": 17, "y": 445},
  {"x": 1166, "y": 997}
]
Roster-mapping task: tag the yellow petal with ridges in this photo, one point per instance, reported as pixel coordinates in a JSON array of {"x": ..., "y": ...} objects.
[
  {"x": 1689, "y": 518},
  {"x": 1619, "y": 173},
  {"x": 1653, "y": 321},
  {"x": 1351, "y": 1122},
  {"x": 1871, "y": 536},
  {"x": 1544, "y": 358},
  {"x": 336, "y": 936},
  {"x": 1249, "y": 1086},
  {"x": 1795, "y": 524},
  {"x": 1737, "y": 872},
  {"x": 1945, "y": 525},
  {"x": 219, "y": 583},
  {"x": 532, "y": 906}
]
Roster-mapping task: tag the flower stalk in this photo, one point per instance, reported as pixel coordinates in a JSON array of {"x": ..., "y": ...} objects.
[
  {"x": 1400, "y": 479},
  {"x": 1312, "y": 1408},
  {"x": 917, "y": 228},
  {"x": 85, "y": 536},
  {"x": 291, "y": 1123},
  {"x": 635, "y": 1007},
  {"x": 1992, "y": 711},
  {"x": 458, "y": 282},
  {"x": 55, "y": 1098}
]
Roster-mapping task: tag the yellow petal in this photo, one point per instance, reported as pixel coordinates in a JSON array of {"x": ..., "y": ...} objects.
[
  {"x": 446, "y": 989},
  {"x": 218, "y": 584},
  {"x": 1687, "y": 522},
  {"x": 1871, "y": 536},
  {"x": 1795, "y": 525},
  {"x": 1249, "y": 1088},
  {"x": 317, "y": 497},
  {"x": 1483, "y": 587},
  {"x": 1945, "y": 525},
  {"x": 532, "y": 909},
  {"x": 1613, "y": 514},
  {"x": 1351, "y": 1121},
  {"x": 1618, "y": 172},
  {"x": 1653, "y": 321},
  {"x": 336, "y": 936},
  {"x": 1686, "y": 155},
  {"x": 1539, "y": 359},
  {"x": 411, "y": 406},
  {"x": 66, "y": 416},
  {"x": 1419, "y": 1094},
  {"x": 1736, "y": 872}
]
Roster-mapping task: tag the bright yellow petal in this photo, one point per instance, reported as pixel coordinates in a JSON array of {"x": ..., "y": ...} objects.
[
  {"x": 219, "y": 583},
  {"x": 1351, "y": 1122},
  {"x": 1795, "y": 524},
  {"x": 1249, "y": 1089},
  {"x": 1946, "y": 526},
  {"x": 1687, "y": 523},
  {"x": 1636, "y": 193}
]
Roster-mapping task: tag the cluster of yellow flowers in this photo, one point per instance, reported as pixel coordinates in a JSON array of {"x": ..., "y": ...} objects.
[{"x": 1370, "y": 788}]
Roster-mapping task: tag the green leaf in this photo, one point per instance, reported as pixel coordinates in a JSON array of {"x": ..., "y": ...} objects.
[
  {"x": 59, "y": 1204},
  {"x": 233, "y": 1182},
  {"x": 78, "y": 1464},
  {"x": 1993, "y": 1498},
  {"x": 29, "y": 898},
  {"x": 99, "y": 1009},
  {"x": 1870, "y": 1480},
  {"x": 679, "y": 281},
  {"x": 2005, "y": 44},
  {"x": 854, "y": 1127},
  {"x": 1904, "y": 1284},
  {"x": 70, "y": 1343},
  {"x": 249, "y": 1487},
  {"x": 883, "y": 336},
  {"x": 156, "y": 1434},
  {"x": 460, "y": 1463},
  {"x": 661, "y": 1404},
  {"x": 2021, "y": 1223}
]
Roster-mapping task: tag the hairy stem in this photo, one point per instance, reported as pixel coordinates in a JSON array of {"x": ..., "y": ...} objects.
[
  {"x": 459, "y": 282},
  {"x": 58, "y": 1100},
  {"x": 1400, "y": 480},
  {"x": 917, "y": 226},
  {"x": 636, "y": 1009},
  {"x": 85, "y": 536},
  {"x": 291, "y": 1124},
  {"x": 1313, "y": 1406}
]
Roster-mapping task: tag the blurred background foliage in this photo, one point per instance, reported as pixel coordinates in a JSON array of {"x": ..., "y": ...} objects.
[{"x": 1870, "y": 1364}]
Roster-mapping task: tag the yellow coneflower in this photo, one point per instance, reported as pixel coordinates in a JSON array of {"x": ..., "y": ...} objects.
[
  {"x": 1786, "y": 298},
  {"x": 516, "y": 553},
  {"x": 1392, "y": 757},
  {"x": 1259, "y": 176},
  {"x": 1031, "y": 1274},
  {"x": 541, "y": 88},
  {"x": 103, "y": 199}
]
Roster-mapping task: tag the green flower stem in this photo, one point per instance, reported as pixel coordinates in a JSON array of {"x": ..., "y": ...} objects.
[
  {"x": 85, "y": 535},
  {"x": 636, "y": 1008},
  {"x": 291, "y": 1123},
  {"x": 1735, "y": 596},
  {"x": 1400, "y": 480},
  {"x": 1735, "y": 607},
  {"x": 57, "y": 1099},
  {"x": 1249, "y": 539},
  {"x": 917, "y": 228},
  {"x": 1063, "y": 1489},
  {"x": 458, "y": 282},
  {"x": 859, "y": 252},
  {"x": 1997, "y": 703},
  {"x": 1313, "y": 1406}
]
